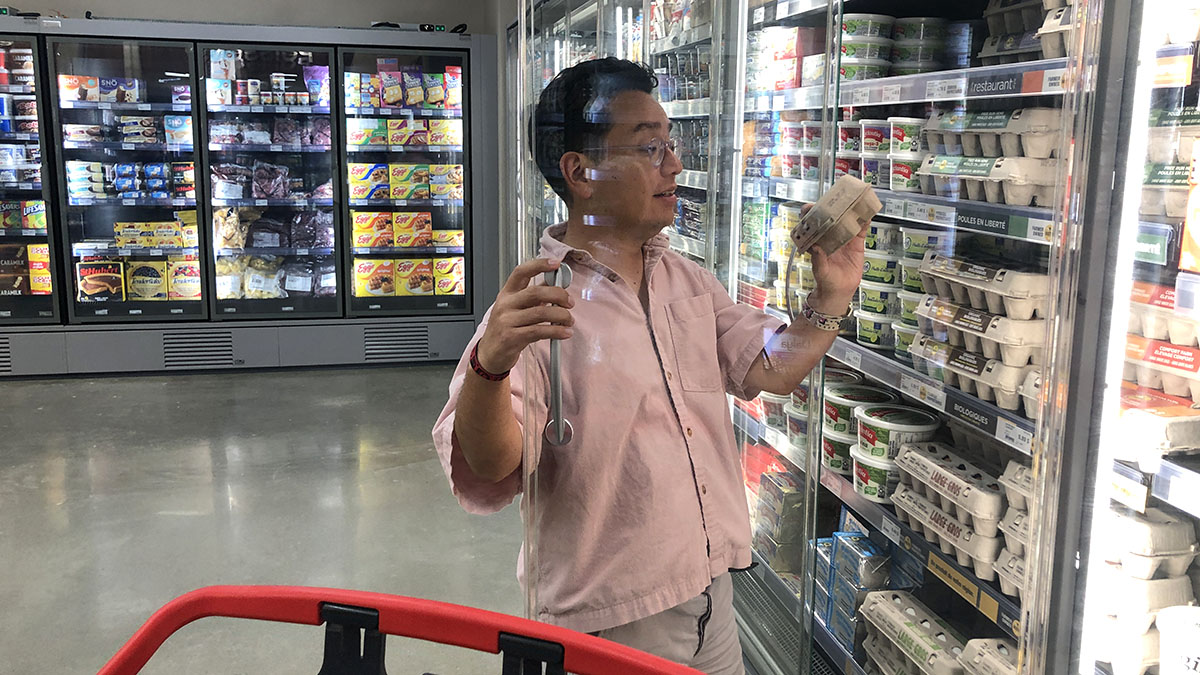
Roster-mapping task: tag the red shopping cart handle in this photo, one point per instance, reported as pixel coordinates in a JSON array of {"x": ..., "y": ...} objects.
[{"x": 429, "y": 620}]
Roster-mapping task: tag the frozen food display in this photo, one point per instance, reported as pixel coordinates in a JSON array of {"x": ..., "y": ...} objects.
[
  {"x": 271, "y": 165},
  {"x": 128, "y": 180},
  {"x": 405, "y": 182}
]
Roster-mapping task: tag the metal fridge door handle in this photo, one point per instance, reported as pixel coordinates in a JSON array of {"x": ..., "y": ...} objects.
[{"x": 558, "y": 429}]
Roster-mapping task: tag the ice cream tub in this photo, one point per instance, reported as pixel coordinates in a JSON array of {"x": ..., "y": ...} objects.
[
  {"x": 880, "y": 268},
  {"x": 879, "y": 298},
  {"x": 918, "y": 51},
  {"x": 773, "y": 413},
  {"x": 906, "y": 134},
  {"x": 927, "y": 28},
  {"x": 904, "y": 334},
  {"x": 855, "y": 70},
  {"x": 867, "y": 25},
  {"x": 875, "y": 478},
  {"x": 905, "y": 172},
  {"x": 876, "y": 170},
  {"x": 866, "y": 47},
  {"x": 916, "y": 242},
  {"x": 835, "y": 452},
  {"x": 842, "y": 399},
  {"x": 908, "y": 306},
  {"x": 882, "y": 429},
  {"x": 849, "y": 136},
  {"x": 876, "y": 136},
  {"x": 910, "y": 276}
]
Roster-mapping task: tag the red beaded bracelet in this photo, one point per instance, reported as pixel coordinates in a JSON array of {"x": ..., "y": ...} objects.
[{"x": 481, "y": 371}]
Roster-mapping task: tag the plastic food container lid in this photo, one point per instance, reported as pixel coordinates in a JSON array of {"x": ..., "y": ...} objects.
[
  {"x": 879, "y": 255},
  {"x": 873, "y": 123},
  {"x": 907, "y": 120},
  {"x": 881, "y": 18},
  {"x": 897, "y": 418},
  {"x": 775, "y": 398},
  {"x": 872, "y": 316},
  {"x": 854, "y": 61},
  {"x": 898, "y": 325},
  {"x": 865, "y": 39},
  {"x": 791, "y": 410},
  {"x": 857, "y": 394},
  {"x": 876, "y": 286},
  {"x": 873, "y": 462},
  {"x": 847, "y": 439}
]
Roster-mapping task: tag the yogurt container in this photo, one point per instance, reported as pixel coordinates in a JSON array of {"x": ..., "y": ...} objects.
[
  {"x": 854, "y": 70},
  {"x": 920, "y": 28},
  {"x": 905, "y": 172},
  {"x": 876, "y": 136},
  {"x": 874, "y": 330},
  {"x": 808, "y": 282},
  {"x": 880, "y": 267},
  {"x": 920, "y": 51},
  {"x": 773, "y": 413},
  {"x": 875, "y": 478},
  {"x": 842, "y": 399},
  {"x": 797, "y": 426},
  {"x": 838, "y": 376},
  {"x": 835, "y": 452},
  {"x": 909, "y": 301},
  {"x": 847, "y": 166},
  {"x": 849, "y": 136},
  {"x": 811, "y": 134},
  {"x": 876, "y": 170},
  {"x": 800, "y": 396},
  {"x": 906, "y": 135},
  {"x": 867, "y": 25},
  {"x": 883, "y": 237},
  {"x": 879, "y": 298},
  {"x": 903, "y": 336},
  {"x": 916, "y": 242},
  {"x": 866, "y": 47},
  {"x": 810, "y": 168},
  {"x": 882, "y": 429}
]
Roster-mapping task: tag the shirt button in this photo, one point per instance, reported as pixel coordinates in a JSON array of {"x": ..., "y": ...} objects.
[
  {"x": 689, "y": 432},
  {"x": 703, "y": 489},
  {"x": 668, "y": 375}
]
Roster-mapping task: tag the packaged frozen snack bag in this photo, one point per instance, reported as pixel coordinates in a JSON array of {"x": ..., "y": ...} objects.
[
  {"x": 454, "y": 87},
  {"x": 414, "y": 87},
  {"x": 435, "y": 90},
  {"x": 392, "y": 84}
]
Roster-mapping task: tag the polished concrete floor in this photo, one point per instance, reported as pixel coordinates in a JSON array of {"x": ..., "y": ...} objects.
[{"x": 117, "y": 494}]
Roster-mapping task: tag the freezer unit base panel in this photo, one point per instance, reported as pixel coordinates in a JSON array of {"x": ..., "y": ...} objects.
[{"x": 141, "y": 350}]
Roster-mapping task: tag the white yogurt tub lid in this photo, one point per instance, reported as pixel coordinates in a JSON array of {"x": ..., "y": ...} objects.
[
  {"x": 897, "y": 418},
  {"x": 849, "y": 124},
  {"x": 882, "y": 18},
  {"x": 876, "y": 286},
  {"x": 906, "y": 120},
  {"x": 873, "y": 123},
  {"x": 855, "y": 61},
  {"x": 872, "y": 316},
  {"x": 848, "y": 439},
  {"x": 910, "y": 296},
  {"x": 918, "y": 157},
  {"x": 835, "y": 377},
  {"x": 792, "y": 411},
  {"x": 899, "y": 325},
  {"x": 879, "y": 156},
  {"x": 874, "y": 39},
  {"x": 857, "y": 394},
  {"x": 879, "y": 255},
  {"x": 775, "y": 398},
  {"x": 874, "y": 462}
]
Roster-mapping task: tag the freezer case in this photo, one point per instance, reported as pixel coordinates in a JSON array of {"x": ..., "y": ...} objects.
[
  {"x": 270, "y": 160},
  {"x": 124, "y": 122},
  {"x": 407, "y": 174},
  {"x": 27, "y": 256}
]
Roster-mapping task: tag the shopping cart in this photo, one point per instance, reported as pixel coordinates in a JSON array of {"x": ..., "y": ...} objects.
[{"x": 357, "y": 623}]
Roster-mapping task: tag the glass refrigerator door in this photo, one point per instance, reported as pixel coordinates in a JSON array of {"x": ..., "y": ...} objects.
[
  {"x": 27, "y": 258},
  {"x": 123, "y": 118},
  {"x": 269, "y": 139},
  {"x": 406, "y": 179}
]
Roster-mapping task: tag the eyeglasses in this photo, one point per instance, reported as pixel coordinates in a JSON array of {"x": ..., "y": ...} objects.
[{"x": 656, "y": 149}]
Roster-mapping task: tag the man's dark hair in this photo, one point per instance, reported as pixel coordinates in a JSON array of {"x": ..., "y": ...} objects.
[{"x": 571, "y": 112}]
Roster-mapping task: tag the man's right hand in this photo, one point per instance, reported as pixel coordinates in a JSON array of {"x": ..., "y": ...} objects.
[{"x": 524, "y": 314}]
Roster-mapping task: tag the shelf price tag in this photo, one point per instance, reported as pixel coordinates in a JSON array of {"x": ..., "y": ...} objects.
[
  {"x": 780, "y": 190},
  {"x": 25, "y": 186},
  {"x": 763, "y": 103},
  {"x": 927, "y": 392},
  {"x": 943, "y": 215},
  {"x": 256, "y": 108},
  {"x": 918, "y": 211},
  {"x": 128, "y": 202},
  {"x": 853, "y": 359},
  {"x": 301, "y": 251},
  {"x": 759, "y": 15},
  {"x": 178, "y": 201},
  {"x": 891, "y": 530},
  {"x": 893, "y": 207},
  {"x": 127, "y": 146},
  {"x": 124, "y": 251},
  {"x": 260, "y": 202},
  {"x": 860, "y": 96},
  {"x": 105, "y": 106},
  {"x": 778, "y": 102},
  {"x": 180, "y": 108},
  {"x": 143, "y": 106},
  {"x": 890, "y": 94},
  {"x": 276, "y": 148},
  {"x": 1014, "y": 435},
  {"x": 156, "y": 251},
  {"x": 783, "y": 9},
  {"x": 1130, "y": 487},
  {"x": 1054, "y": 81}
]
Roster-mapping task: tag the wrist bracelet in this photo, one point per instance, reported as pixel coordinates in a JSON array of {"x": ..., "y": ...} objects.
[
  {"x": 483, "y": 372},
  {"x": 830, "y": 322}
]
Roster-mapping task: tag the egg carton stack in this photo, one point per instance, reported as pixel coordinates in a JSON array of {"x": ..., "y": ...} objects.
[
  {"x": 903, "y": 633},
  {"x": 1161, "y": 350},
  {"x": 989, "y": 657},
  {"x": 1172, "y": 136},
  {"x": 1026, "y": 30},
  {"x": 999, "y": 157},
  {"x": 858, "y": 567},
  {"x": 1146, "y": 571},
  {"x": 1017, "y": 480}
]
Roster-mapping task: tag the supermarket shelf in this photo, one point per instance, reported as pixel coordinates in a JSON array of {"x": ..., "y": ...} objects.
[
  {"x": 802, "y": 98},
  {"x": 406, "y": 202},
  {"x": 17, "y": 136},
  {"x": 794, "y": 189},
  {"x": 274, "y": 250},
  {"x": 787, "y": 9},
  {"x": 1030, "y": 78},
  {"x": 994, "y": 605},
  {"x": 404, "y": 148},
  {"x": 16, "y": 88},
  {"x": 117, "y": 201},
  {"x": 17, "y": 232},
  {"x": 692, "y": 179},
  {"x": 110, "y": 105},
  {"x": 834, "y": 649},
  {"x": 7, "y": 187},
  {"x": 1018, "y": 222},
  {"x": 117, "y": 145},
  {"x": 85, "y": 248},
  {"x": 697, "y": 107},
  {"x": 683, "y": 40},
  {"x": 1177, "y": 483},
  {"x": 410, "y": 250},
  {"x": 403, "y": 112},
  {"x": 263, "y": 147},
  {"x": 1006, "y": 426},
  {"x": 686, "y": 244},
  {"x": 275, "y": 109},
  {"x": 770, "y": 579},
  {"x": 272, "y": 202}
]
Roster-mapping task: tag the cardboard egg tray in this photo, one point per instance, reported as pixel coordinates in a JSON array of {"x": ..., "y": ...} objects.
[
  {"x": 1156, "y": 543},
  {"x": 1017, "y": 480},
  {"x": 1019, "y": 181},
  {"x": 969, "y": 548},
  {"x": 1173, "y": 369},
  {"x": 1021, "y": 133},
  {"x": 1010, "y": 568},
  {"x": 988, "y": 379},
  {"x": 909, "y": 633},
  {"x": 989, "y": 657},
  {"x": 1002, "y": 291},
  {"x": 887, "y": 658},
  {"x": 1172, "y": 135},
  {"x": 1127, "y": 653},
  {"x": 1016, "y": 343},
  {"x": 1154, "y": 424},
  {"x": 1030, "y": 390},
  {"x": 965, "y": 491},
  {"x": 1006, "y": 16},
  {"x": 1015, "y": 526},
  {"x": 1135, "y": 602},
  {"x": 1055, "y": 30},
  {"x": 1165, "y": 190},
  {"x": 1152, "y": 315}
]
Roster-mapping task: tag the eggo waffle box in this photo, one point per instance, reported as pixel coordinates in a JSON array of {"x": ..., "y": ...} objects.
[
  {"x": 414, "y": 276},
  {"x": 371, "y": 228},
  {"x": 412, "y": 229},
  {"x": 374, "y": 278},
  {"x": 366, "y": 173},
  {"x": 450, "y": 276}
]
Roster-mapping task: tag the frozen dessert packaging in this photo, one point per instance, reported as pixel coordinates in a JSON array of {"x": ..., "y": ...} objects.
[{"x": 837, "y": 217}]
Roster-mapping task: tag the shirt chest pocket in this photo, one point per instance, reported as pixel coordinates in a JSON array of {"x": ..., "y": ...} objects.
[{"x": 694, "y": 340}]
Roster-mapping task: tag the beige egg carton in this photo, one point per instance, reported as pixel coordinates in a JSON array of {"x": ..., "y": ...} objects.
[
  {"x": 885, "y": 656},
  {"x": 1156, "y": 543},
  {"x": 1016, "y": 343},
  {"x": 1015, "y": 526},
  {"x": 1154, "y": 424},
  {"x": 910, "y": 631},
  {"x": 1025, "y": 132},
  {"x": 1055, "y": 31},
  {"x": 1017, "y": 480},
  {"x": 1135, "y": 602},
  {"x": 1173, "y": 369},
  {"x": 969, "y": 548},
  {"x": 1165, "y": 190},
  {"x": 965, "y": 491},
  {"x": 989, "y": 657},
  {"x": 1011, "y": 48},
  {"x": 1127, "y": 653},
  {"x": 1010, "y": 568},
  {"x": 838, "y": 216},
  {"x": 1172, "y": 135},
  {"x": 986, "y": 450},
  {"x": 1030, "y": 390},
  {"x": 1019, "y": 181},
  {"x": 998, "y": 290},
  {"x": 989, "y": 379},
  {"x": 1007, "y": 16}
]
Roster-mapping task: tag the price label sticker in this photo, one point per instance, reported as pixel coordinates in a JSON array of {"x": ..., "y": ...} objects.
[
  {"x": 156, "y": 251},
  {"x": 301, "y": 251},
  {"x": 143, "y": 106},
  {"x": 1013, "y": 435},
  {"x": 893, "y": 207},
  {"x": 362, "y": 251},
  {"x": 780, "y": 190},
  {"x": 427, "y": 113},
  {"x": 890, "y": 94},
  {"x": 783, "y": 9},
  {"x": 178, "y": 201},
  {"x": 853, "y": 359},
  {"x": 440, "y": 249},
  {"x": 860, "y": 96},
  {"x": 438, "y": 202},
  {"x": 891, "y": 530},
  {"x": 128, "y": 146},
  {"x": 759, "y": 15},
  {"x": 943, "y": 215},
  {"x": 260, "y": 202},
  {"x": 105, "y": 106},
  {"x": 86, "y": 201},
  {"x": 180, "y": 108},
  {"x": 1130, "y": 487},
  {"x": 129, "y": 202},
  {"x": 25, "y": 186},
  {"x": 386, "y": 112},
  {"x": 778, "y": 102},
  {"x": 400, "y": 202},
  {"x": 276, "y": 147},
  {"x": 256, "y": 108},
  {"x": 927, "y": 392},
  {"x": 763, "y": 103},
  {"x": 124, "y": 251},
  {"x": 1054, "y": 81}
]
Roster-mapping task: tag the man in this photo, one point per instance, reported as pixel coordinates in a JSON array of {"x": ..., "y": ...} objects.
[{"x": 642, "y": 513}]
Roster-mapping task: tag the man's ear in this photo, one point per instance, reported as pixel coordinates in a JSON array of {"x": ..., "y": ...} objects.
[{"x": 574, "y": 167}]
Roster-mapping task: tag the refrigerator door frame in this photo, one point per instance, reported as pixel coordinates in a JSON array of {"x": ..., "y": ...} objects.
[
  {"x": 277, "y": 313},
  {"x": 62, "y": 202}
]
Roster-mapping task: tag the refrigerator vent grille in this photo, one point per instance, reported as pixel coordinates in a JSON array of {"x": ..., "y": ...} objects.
[
  {"x": 5, "y": 356},
  {"x": 396, "y": 343},
  {"x": 771, "y": 623},
  {"x": 207, "y": 349}
]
